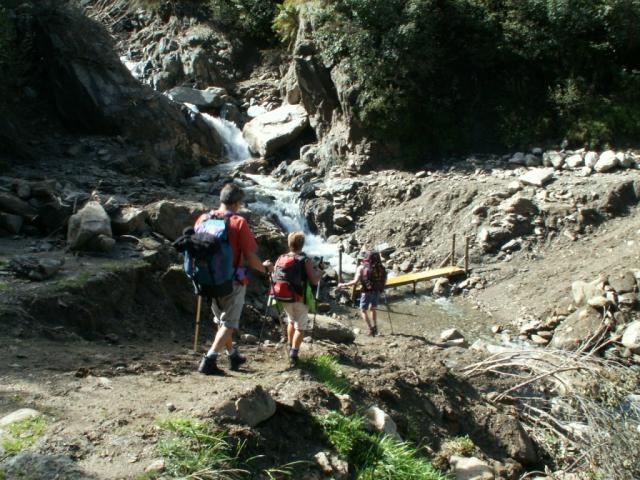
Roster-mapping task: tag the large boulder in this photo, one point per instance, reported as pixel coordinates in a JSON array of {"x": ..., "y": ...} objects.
[
  {"x": 319, "y": 215},
  {"x": 129, "y": 220},
  {"x": 607, "y": 162},
  {"x": 88, "y": 227},
  {"x": 538, "y": 177},
  {"x": 11, "y": 204},
  {"x": 577, "y": 328},
  {"x": 267, "y": 133},
  {"x": 327, "y": 328},
  {"x": 94, "y": 93},
  {"x": 631, "y": 337},
  {"x": 170, "y": 218}
]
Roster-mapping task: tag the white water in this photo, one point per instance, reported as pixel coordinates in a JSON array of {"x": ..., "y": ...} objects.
[{"x": 286, "y": 204}]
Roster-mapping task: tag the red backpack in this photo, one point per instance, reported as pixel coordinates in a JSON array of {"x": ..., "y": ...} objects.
[
  {"x": 288, "y": 278},
  {"x": 374, "y": 275}
]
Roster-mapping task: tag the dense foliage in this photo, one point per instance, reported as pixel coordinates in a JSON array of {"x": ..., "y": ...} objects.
[{"x": 451, "y": 74}]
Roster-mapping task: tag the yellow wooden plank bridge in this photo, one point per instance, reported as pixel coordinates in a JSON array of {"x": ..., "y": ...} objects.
[{"x": 443, "y": 271}]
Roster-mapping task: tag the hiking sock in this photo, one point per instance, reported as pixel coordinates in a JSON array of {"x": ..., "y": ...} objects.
[{"x": 212, "y": 354}]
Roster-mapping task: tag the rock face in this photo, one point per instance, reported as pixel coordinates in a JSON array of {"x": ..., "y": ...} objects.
[
  {"x": 88, "y": 226},
  {"x": 267, "y": 133},
  {"x": 94, "y": 93}
]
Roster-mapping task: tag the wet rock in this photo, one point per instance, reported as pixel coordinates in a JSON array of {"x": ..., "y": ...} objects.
[
  {"x": 537, "y": 177},
  {"x": 327, "y": 328},
  {"x": 212, "y": 97},
  {"x": 11, "y": 223},
  {"x": 170, "y": 218},
  {"x": 470, "y": 468},
  {"x": 607, "y": 162},
  {"x": 43, "y": 467},
  {"x": 129, "y": 220},
  {"x": 319, "y": 215},
  {"x": 252, "y": 408},
  {"x": 87, "y": 225},
  {"x": 441, "y": 286},
  {"x": 577, "y": 328},
  {"x": 631, "y": 337},
  {"x": 267, "y": 133},
  {"x": 623, "y": 283},
  {"x": 35, "y": 268},
  {"x": 381, "y": 422},
  {"x": 254, "y": 165}
]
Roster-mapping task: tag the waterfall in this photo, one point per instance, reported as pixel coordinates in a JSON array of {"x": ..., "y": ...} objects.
[{"x": 285, "y": 204}]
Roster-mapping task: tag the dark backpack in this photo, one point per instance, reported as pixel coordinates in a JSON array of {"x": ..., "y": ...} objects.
[
  {"x": 289, "y": 276},
  {"x": 208, "y": 258},
  {"x": 374, "y": 275}
]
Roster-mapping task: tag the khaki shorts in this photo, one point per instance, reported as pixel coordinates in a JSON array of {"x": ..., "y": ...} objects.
[
  {"x": 227, "y": 310},
  {"x": 298, "y": 314}
]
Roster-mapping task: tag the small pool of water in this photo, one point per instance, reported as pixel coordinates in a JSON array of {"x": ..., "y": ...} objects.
[{"x": 424, "y": 315}]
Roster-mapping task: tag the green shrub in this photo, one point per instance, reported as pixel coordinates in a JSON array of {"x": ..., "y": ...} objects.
[
  {"x": 285, "y": 23},
  {"x": 251, "y": 17}
]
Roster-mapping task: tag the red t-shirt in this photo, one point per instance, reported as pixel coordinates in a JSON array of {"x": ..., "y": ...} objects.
[{"x": 240, "y": 238}]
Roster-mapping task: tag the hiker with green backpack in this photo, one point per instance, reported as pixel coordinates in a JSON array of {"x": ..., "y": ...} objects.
[
  {"x": 373, "y": 276},
  {"x": 216, "y": 250},
  {"x": 293, "y": 278}
]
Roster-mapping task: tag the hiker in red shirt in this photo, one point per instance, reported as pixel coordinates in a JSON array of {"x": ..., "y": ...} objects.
[{"x": 227, "y": 310}]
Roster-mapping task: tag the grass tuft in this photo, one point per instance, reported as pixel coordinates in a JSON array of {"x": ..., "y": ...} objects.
[
  {"x": 22, "y": 434},
  {"x": 325, "y": 369},
  {"x": 374, "y": 457}
]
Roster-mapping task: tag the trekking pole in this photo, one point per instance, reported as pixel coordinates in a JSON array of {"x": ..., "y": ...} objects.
[
  {"x": 197, "y": 332},
  {"x": 386, "y": 301},
  {"x": 313, "y": 322},
  {"x": 266, "y": 310}
]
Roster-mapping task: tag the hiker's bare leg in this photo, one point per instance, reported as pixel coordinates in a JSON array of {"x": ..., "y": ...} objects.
[
  {"x": 373, "y": 315},
  {"x": 365, "y": 317},
  {"x": 297, "y": 338},
  {"x": 223, "y": 340},
  {"x": 291, "y": 330}
]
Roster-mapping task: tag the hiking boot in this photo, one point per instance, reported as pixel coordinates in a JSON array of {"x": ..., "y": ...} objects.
[
  {"x": 208, "y": 366},
  {"x": 371, "y": 332},
  {"x": 293, "y": 361},
  {"x": 375, "y": 330},
  {"x": 236, "y": 360}
]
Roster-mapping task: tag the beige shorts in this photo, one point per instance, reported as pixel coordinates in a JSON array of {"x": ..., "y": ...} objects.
[
  {"x": 298, "y": 314},
  {"x": 227, "y": 310}
]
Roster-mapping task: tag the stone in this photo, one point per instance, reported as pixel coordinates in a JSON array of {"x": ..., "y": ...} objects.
[
  {"x": 253, "y": 165},
  {"x": 18, "y": 416},
  {"x": 628, "y": 300},
  {"x": 606, "y": 162},
  {"x": 623, "y": 283},
  {"x": 28, "y": 465},
  {"x": 574, "y": 161},
  {"x": 531, "y": 160},
  {"x": 470, "y": 468},
  {"x": 381, "y": 422},
  {"x": 212, "y": 97},
  {"x": 156, "y": 466},
  {"x": 170, "y": 218},
  {"x": 631, "y": 337},
  {"x": 583, "y": 291},
  {"x": 269, "y": 132},
  {"x": 590, "y": 160},
  {"x": 34, "y": 267},
  {"x": 331, "y": 465},
  {"x": 11, "y": 204},
  {"x": 253, "y": 407},
  {"x": 440, "y": 286},
  {"x": 11, "y": 223},
  {"x": 529, "y": 327},
  {"x": 512, "y": 245},
  {"x": 90, "y": 222},
  {"x": 519, "y": 205},
  {"x": 538, "y": 340},
  {"x": 577, "y": 328},
  {"x": 518, "y": 158},
  {"x": 538, "y": 177},
  {"x": 327, "y": 328},
  {"x": 450, "y": 334},
  {"x": 626, "y": 161},
  {"x": 129, "y": 220},
  {"x": 599, "y": 301}
]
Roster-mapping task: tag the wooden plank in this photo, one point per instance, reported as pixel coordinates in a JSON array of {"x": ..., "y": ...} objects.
[{"x": 413, "y": 278}]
